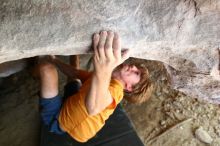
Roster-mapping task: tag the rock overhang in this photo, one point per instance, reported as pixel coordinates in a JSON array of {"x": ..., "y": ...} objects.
[{"x": 184, "y": 34}]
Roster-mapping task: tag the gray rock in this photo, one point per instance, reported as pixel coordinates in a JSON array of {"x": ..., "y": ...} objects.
[
  {"x": 184, "y": 34},
  {"x": 203, "y": 136},
  {"x": 9, "y": 68}
]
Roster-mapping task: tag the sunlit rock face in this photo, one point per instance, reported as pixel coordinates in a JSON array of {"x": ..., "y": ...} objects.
[{"x": 184, "y": 34}]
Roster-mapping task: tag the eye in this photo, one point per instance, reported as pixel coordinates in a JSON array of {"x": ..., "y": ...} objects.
[{"x": 137, "y": 73}]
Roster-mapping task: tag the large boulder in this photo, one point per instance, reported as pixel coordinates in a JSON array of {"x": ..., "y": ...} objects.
[{"x": 184, "y": 34}]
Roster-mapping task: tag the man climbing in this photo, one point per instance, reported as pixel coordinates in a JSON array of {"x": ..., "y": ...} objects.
[{"x": 83, "y": 112}]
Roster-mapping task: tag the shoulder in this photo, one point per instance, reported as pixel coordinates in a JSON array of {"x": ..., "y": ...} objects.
[{"x": 116, "y": 90}]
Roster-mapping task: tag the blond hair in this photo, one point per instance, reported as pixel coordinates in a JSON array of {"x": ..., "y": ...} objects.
[{"x": 142, "y": 90}]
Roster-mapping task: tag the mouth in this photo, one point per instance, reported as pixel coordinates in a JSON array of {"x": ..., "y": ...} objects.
[{"x": 126, "y": 91}]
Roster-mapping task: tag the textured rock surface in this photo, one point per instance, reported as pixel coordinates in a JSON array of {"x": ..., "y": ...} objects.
[{"x": 184, "y": 34}]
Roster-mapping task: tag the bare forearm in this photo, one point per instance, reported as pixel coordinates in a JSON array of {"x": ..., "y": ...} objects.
[
  {"x": 66, "y": 69},
  {"x": 107, "y": 56},
  {"x": 71, "y": 72},
  {"x": 98, "y": 97}
]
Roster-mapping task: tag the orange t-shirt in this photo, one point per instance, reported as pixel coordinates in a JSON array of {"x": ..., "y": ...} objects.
[{"x": 74, "y": 118}]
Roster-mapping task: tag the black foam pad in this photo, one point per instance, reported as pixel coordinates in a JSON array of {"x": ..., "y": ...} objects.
[{"x": 118, "y": 131}]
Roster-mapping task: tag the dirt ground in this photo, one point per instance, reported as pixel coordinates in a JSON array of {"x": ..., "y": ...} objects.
[{"x": 169, "y": 118}]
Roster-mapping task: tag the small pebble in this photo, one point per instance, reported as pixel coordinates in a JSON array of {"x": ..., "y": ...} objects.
[
  {"x": 156, "y": 129},
  {"x": 158, "y": 109},
  {"x": 162, "y": 122},
  {"x": 203, "y": 136}
]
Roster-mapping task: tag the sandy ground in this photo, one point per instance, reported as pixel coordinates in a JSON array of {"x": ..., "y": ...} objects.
[{"x": 169, "y": 118}]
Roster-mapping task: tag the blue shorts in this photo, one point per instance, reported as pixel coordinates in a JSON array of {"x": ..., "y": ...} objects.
[{"x": 50, "y": 108}]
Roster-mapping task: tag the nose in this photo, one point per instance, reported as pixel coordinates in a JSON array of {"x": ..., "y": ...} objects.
[{"x": 128, "y": 87}]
